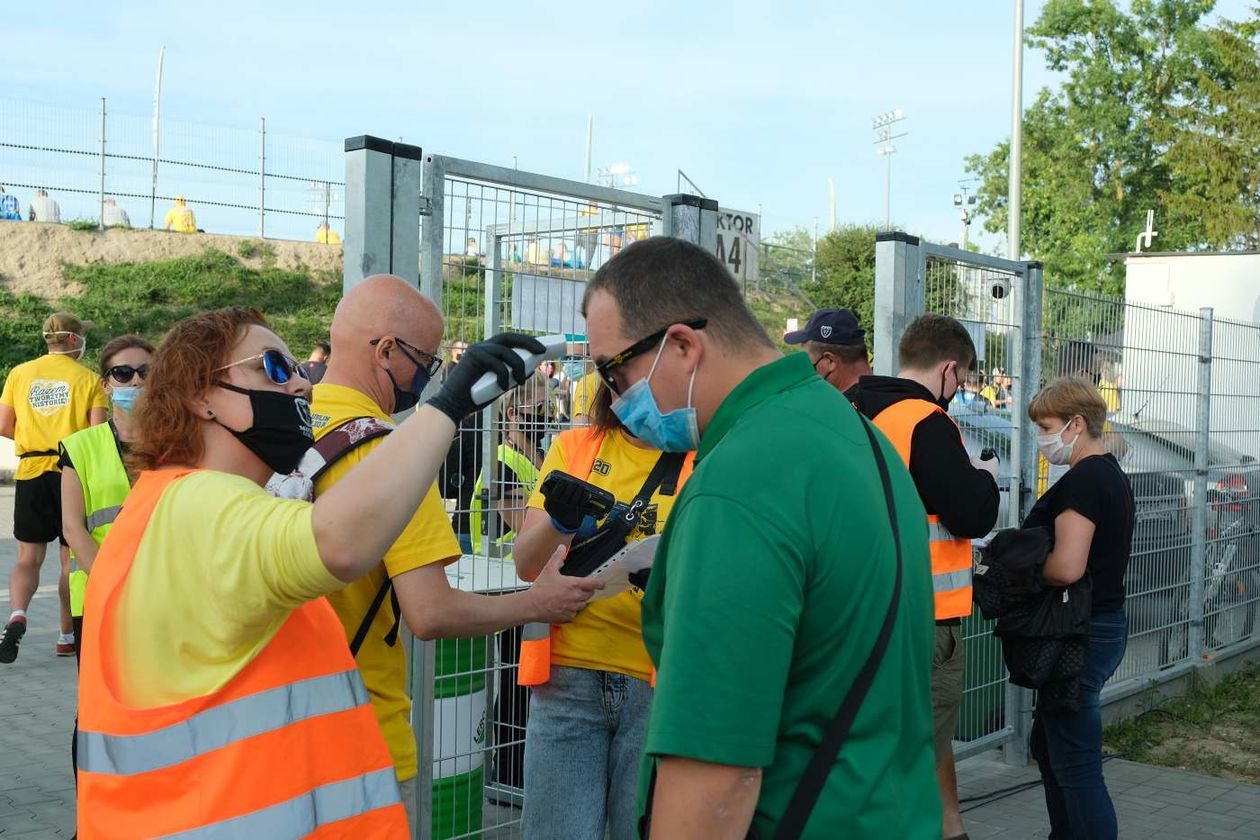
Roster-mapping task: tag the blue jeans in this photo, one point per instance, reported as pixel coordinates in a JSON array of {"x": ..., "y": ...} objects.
[
  {"x": 583, "y": 747},
  {"x": 465, "y": 542},
  {"x": 1068, "y": 745}
]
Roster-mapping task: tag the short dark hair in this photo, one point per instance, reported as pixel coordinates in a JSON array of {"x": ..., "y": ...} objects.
[
  {"x": 932, "y": 339},
  {"x": 661, "y": 281},
  {"x": 325, "y": 346},
  {"x": 849, "y": 354}
]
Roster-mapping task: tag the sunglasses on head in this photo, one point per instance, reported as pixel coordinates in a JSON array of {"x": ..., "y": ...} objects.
[
  {"x": 279, "y": 367},
  {"x": 122, "y": 374},
  {"x": 607, "y": 368}
]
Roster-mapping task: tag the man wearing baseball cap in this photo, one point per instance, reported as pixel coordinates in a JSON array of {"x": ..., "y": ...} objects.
[
  {"x": 45, "y": 400},
  {"x": 836, "y": 345}
]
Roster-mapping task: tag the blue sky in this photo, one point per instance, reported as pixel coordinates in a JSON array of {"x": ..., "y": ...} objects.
[{"x": 760, "y": 103}]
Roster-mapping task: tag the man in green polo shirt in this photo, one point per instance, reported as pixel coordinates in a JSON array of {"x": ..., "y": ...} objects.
[{"x": 775, "y": 572}]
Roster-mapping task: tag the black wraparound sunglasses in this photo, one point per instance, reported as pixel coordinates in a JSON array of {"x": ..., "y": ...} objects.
[
  {"x": 122, "y": 374},
  {"x": 607, "y": 368}
]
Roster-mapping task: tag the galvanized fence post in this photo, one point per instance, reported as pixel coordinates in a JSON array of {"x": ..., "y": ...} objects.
[
  {"x": 1019, "y": 700},
  {"x": 262, "y": 178},
  {"x": 382, "y": 210},
  {"x": 899, "y": 294},
  {"x": 101, "y": 218},
  {"x": 692, "y": 218},
  {"x": 433, "y": 228},
  {"x": 1198, "y": 516}
]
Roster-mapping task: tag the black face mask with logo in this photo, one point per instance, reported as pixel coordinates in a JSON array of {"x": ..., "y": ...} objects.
[{"x": 281, "y": 432}]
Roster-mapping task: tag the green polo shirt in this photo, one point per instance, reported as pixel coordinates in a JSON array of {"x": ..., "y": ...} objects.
[{"x": 766, "y": 596}]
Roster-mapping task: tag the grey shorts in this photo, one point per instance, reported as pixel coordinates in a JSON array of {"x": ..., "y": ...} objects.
[{"x": 948, "y": 658}]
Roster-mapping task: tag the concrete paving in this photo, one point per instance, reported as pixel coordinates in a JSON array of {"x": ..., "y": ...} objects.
[{"x": 37, "y": 793}]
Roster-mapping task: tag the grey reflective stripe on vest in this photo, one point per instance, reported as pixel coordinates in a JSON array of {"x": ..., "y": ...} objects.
[
  {"x": 215, "y": 728},
  {"x": 949, "y": 581},
  {"x": 303, "y": 814},
  {"x": 939, "y": 533},
  {"x": 104, "y": 516}
]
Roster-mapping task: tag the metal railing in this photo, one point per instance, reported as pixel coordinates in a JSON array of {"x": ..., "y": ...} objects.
[{"x": 246, "y": 181}]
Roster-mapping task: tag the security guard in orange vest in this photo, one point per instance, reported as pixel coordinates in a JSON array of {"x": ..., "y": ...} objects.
[{"x": 959, "y": 493}]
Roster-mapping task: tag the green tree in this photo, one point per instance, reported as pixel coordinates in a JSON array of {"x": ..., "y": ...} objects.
[
  {"x": 1213, "y": 140},
  {"x": 1096, "y": 151},
  {"x": 846, "y": 273}
]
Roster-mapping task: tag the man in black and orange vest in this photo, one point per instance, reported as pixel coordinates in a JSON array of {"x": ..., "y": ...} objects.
[{"x": 959, "y": 493}]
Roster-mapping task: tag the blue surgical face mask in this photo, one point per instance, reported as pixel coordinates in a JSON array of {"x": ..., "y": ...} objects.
[
  {"x": 125, "y": 396},
  {"x": 677, "y": 431},
  {"x": 574, "y": 370}
]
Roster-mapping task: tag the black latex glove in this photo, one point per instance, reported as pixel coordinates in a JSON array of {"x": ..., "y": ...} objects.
[
  {"x": 568, "y": 504},
  {"x": 496, "y": 355}
]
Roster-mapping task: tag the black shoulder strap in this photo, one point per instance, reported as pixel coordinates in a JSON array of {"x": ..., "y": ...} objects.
[
  {"x": 332, "y": 447},
  {"x": 810, "y": 786}
]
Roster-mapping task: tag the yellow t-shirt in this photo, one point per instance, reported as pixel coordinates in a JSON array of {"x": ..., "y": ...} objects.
[
  {"x": 607, "y": 635},
  {"x": 218, "y": 570},
  {"x": 181, "y": 220},
  {"x": 428, "y": 538},
  {"x": 584, "y": 391},
  {"x": 50, "y": 397},
  {"x": 1110, "y": 394}
]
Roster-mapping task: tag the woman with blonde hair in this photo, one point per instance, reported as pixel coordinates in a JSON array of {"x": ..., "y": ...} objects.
[{"x": 1090, "y": 513}]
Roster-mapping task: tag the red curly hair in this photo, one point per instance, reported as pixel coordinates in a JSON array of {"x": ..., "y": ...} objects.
[{"x": 167, "y": 430}]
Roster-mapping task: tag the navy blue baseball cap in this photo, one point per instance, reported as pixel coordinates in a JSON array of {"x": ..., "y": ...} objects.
[{"x": 830, "y": 326}]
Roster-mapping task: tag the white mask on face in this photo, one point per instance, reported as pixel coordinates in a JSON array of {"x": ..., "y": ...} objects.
[
  {"x": 1054, "y": 448},
  {"x": 76, "y": 352}
]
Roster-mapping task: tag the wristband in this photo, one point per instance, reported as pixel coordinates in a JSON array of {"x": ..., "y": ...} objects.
[{"x": 568, "y": 532}]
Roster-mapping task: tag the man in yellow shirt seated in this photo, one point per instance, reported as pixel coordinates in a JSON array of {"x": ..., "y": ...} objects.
[
  {"x": 385, "y": 338},
  {"x": 180, "y": 218},
  {"x": 44, "y": 401},
  {"x": 325, "y": 235}
]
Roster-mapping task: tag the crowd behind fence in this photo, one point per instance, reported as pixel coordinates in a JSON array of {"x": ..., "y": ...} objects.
[{"x": 244, "y": 181}]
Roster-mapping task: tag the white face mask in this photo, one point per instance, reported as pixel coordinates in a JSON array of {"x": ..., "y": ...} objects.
[
  {"x": 77, "y": 352},
  {"x": 1054, "y": 448}
]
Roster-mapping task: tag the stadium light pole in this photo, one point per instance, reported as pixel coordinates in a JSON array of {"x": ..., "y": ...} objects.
[
  {"x": 885, "y": 125},
  {"x": 1015, "y": 158}
]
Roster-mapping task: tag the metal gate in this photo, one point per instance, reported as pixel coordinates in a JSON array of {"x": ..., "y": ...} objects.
[
  {"x": 501, "y": 250},
  {"x": 999, "y": 302}
]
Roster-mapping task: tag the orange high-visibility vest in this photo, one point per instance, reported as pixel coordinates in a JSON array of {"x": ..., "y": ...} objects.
[
  {"x": 289, "y": 747},
  {"x": 581, "y": 448},
  {"x": 951, "y": 556}
]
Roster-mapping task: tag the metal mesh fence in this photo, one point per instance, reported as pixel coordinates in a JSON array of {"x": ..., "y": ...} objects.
[
  {"x": 501, "y": 256},
  {"x": 984, "y": 299},
  {"x": 1144, "y": 361},
  {"x": 247, "y": 181},
  {"x": 1182, "y": 392}
]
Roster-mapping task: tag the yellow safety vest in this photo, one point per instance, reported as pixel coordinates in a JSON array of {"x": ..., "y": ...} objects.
[
  {"x": 519, "y": 463},
  {"x": 94, "y": 452}
]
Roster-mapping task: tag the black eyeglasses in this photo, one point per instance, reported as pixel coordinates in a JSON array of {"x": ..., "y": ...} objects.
[
  {"x": 279, "y": 367},
  {"x": 431, "y": 366},
  {"x": 122, "y": 374},
  {"x": 606, "y": 368}
]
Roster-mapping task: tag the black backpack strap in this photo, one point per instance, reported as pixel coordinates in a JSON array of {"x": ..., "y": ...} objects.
[
  {"x": 813, "y": 780},
  {"x": 331, "y": 448}
]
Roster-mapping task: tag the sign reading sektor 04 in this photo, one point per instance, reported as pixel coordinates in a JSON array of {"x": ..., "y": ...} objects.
[{"x": 739, "y": 243}]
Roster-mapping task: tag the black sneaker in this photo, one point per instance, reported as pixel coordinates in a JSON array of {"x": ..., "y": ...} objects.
[{"x": 13, "y": 633}]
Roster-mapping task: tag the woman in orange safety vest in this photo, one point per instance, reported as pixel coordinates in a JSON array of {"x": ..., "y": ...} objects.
[
  {"x": 217, "y": 697},
  {"x": 591, "y": 678}
]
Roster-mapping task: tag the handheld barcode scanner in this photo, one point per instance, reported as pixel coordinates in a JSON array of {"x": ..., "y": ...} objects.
[{"x": 597, "y": 498}]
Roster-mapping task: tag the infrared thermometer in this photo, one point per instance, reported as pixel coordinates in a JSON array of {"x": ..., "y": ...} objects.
[{"x": 486, "y": 389}]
